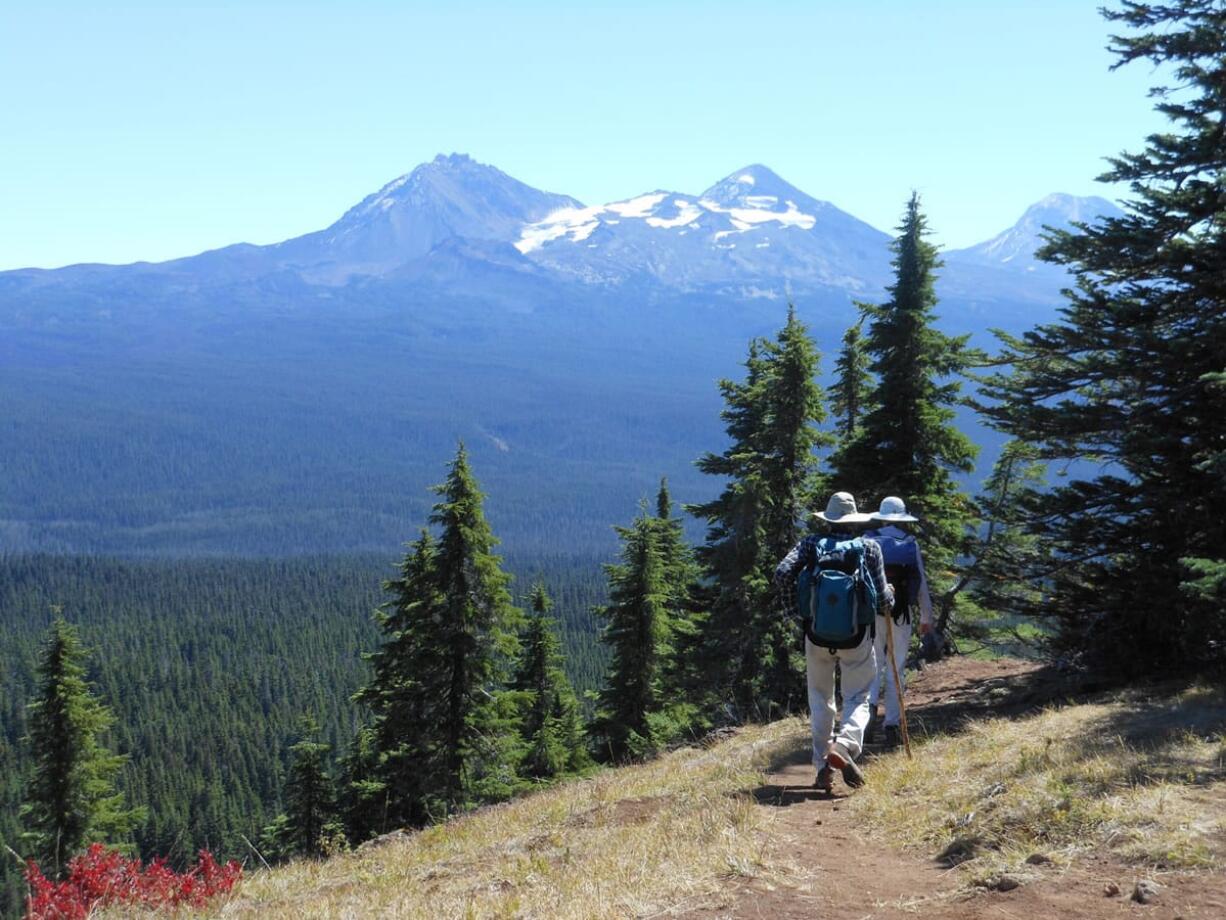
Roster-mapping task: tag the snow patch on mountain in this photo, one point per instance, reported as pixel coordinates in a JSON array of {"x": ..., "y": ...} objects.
[{"x": 665, "y": 211}]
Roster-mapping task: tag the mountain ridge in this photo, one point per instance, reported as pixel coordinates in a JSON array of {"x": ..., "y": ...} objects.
[{"x": 748, "y": 228}]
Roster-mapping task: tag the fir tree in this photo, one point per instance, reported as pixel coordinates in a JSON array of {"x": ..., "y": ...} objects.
[
  {"x": 752, "y": 653},
  {"x": 276, "y": 840},
  {"x": 1005, "y": 579},
  {"x": 549, "y": 703},
  {"x": 907, "y": 444},
  {"x": 852, "y": 391},
  {"x": 443, "y": 728},
  {"x": 71, "y": 800},
  {"x": 361, "y": 796},
  {"x": 684, "y": 672},
  {"x": 626, "y": 725},
  {"x": 478, "y": 646},
  {"x": 1131, "y": 378},
  {"x": 310, "y": 797},
  {"x": 395, "y": 778}
]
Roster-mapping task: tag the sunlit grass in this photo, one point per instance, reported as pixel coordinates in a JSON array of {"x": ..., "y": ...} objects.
[
  {"x": 1145, "y": 779},
  {"x": 627, "y": 842}
]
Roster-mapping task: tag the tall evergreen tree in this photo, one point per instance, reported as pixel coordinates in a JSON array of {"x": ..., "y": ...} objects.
[
  {"x": 479, "y": 645},
  {"x": 627, "y": 724},
  {"x": 309, "y": 793},
  {"x": 71, "y": 800},
  {"x": 549, "y": 708},
  {"x": 684, "y": 669},
  {"x": 852, "y": 390},
  {"x": 753, "y": 655},
  {"x": 398, "y": 780},
  {"x": 443, "y": 728},
  {"x": 1132, "y": 377},
  {"x": 907, "y": 444}
]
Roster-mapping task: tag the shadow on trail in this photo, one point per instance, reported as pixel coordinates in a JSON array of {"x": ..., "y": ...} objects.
[
  {"x": 778, "y": 795},
  {"x": 943, "y": 710}
]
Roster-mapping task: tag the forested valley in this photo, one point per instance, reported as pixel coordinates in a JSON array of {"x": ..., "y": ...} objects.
[{"x": 209, "y": 666}]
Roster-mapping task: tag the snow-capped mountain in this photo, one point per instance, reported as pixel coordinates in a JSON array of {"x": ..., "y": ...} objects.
[
  {"x": 457, "y": 225},
  {"x": 751, "y": 229},
  {"x": 449, "y": 197},
  {"x": 1014, "y": 248}
]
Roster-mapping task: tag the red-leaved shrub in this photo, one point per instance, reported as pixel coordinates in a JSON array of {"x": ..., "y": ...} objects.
[{"x": 100, "y": 877}]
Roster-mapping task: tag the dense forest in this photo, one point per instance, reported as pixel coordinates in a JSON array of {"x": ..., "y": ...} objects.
[{"x": 209, "y": 665}]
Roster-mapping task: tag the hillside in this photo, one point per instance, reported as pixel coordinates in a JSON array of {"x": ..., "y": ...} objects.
[{"x": 1018, "y": 803}]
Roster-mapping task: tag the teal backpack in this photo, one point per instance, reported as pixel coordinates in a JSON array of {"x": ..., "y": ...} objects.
[{"x": 836, "y": 597}]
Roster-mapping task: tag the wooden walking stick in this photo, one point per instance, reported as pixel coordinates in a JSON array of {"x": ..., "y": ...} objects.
[{"x": 902, "y": 707}]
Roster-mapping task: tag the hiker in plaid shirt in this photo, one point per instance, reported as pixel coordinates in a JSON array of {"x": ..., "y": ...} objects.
[{"x": 858, "y": 664}]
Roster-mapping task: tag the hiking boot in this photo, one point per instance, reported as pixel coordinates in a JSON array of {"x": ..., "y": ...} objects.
[
  {"x": 841, "y": 761},
  {"x": 892, "y": 737},
  {"x": 825, "y": 780}
]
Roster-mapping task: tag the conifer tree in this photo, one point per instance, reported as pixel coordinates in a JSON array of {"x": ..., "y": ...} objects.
[
  {"x": 361, "y": 795},
  {"x": 398, "y": 779},
  {"x": 907, "y": 444},
  {"x": 444, "y": 728},
  {"x": 71, "y": 800},
  {"x": 1131, "y": 378},
  {"x": 479, "y": 644},
  {"x": 852, "y": 390},
  {"x": 549, "y": 703},
  {"x": 626, "y": 725},
  {"x": 309, "y": 793},
  {"x": 753, "y": 654},
  {"x": 683, "y": 671},
  {"x": 1005, "y": 579}
]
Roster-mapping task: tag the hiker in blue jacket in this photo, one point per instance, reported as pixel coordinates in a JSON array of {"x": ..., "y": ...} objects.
[
  {"x": 856, "y": 659},
  {"x": 904, "y": 566}
]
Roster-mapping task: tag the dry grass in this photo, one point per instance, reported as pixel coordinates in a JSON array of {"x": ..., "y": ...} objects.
[
  {"x": 1142, "y": 778},
  {"x": 628, "y": 842}
]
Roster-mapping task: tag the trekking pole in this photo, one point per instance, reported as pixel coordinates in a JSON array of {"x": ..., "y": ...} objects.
[{"x": 902, "y": 707}]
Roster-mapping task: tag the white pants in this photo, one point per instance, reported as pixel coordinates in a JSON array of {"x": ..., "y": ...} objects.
[
  {"x": 902, "y": 642},
  {"x": 859, "y": 667}
]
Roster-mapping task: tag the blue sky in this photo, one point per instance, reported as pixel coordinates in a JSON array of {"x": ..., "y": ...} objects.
[{"x": 152, "y": 130}]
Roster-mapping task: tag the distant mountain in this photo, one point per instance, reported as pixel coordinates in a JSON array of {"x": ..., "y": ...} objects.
[
  {"x": 452, "y": 196},
  {"x": 299, "y": 397},
  {"x": 1014, "y": 249},
  {"x": 751, "y": 228}
]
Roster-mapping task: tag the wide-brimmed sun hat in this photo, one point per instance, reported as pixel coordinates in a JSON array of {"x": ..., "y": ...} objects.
[
  {"x": 894, "y": 508},
  {"x": 841, "y": 509}
]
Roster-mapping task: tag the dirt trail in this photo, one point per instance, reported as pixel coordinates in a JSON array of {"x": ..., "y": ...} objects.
[{"x": 845, "y": 877}]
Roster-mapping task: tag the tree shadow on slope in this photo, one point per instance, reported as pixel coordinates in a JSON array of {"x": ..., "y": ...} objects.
[
  {"x": 944, "y": 698},
  {"x": 1158, "y": 735}
]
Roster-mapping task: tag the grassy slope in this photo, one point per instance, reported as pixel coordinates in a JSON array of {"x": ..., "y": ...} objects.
[
  {"x": 1139, "y": 778},
  {"x": 625, "y": 842}
]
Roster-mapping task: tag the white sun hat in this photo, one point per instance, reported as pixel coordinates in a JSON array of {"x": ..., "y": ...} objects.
[
  {"x": 841, "y": 509},
  {"x": 894, "y": 508}
]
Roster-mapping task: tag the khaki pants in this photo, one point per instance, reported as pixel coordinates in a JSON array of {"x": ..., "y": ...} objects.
[{"x": 859, "y": 667}]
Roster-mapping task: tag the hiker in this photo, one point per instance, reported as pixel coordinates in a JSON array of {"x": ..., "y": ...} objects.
[
  {"x": 835, "y": 582},
  {"x": 904, "y": 569}
]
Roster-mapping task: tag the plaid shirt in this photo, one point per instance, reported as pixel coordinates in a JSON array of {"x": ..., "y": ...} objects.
[{"x": 804, "y": 554}]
